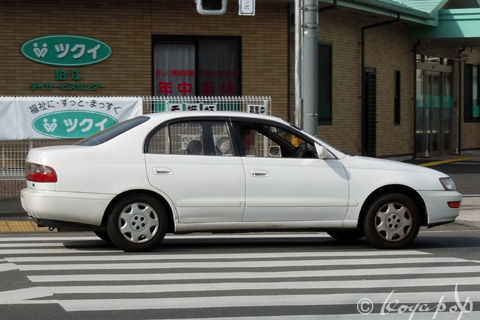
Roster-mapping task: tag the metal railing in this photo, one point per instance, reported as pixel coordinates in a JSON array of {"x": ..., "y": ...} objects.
[{"x": 14, "y": 152}]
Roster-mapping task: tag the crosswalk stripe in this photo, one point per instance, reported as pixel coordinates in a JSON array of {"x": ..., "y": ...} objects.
[
  {"x": 388, "y": 316},
  {"x": 235, "y": 264},
  {"x": 177, "y": 236},
  {"x": 205, "y": 256},
  {"x": 31, "y": 245},
  {"x": 49, "y": 238},
  {"x": 279, "y": 285},
  {"x": 254, "y": 275},
  {"x": 47, "y": 251},
  {"x": 365, "y": 264},
  {"x": 258, "y": 301}
]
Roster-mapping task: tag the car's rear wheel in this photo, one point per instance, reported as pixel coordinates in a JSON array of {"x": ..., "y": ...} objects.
[
  {"x": 102, "y": 234},
  {"x": 392, "y": 221},
  {"x": 137, "y": 223},
  {"x": 346, "y": 235}
]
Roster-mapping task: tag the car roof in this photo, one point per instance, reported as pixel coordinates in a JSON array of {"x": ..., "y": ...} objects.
[{"x": 163, "y": 116}]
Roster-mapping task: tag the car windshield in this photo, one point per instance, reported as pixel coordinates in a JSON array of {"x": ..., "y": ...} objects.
[{"x": 111, "y": 132}]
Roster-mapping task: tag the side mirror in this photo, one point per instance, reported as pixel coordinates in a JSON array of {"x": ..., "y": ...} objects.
[
  {"x": 274, "y": 152},
  {"x": 322, "y": 152}
]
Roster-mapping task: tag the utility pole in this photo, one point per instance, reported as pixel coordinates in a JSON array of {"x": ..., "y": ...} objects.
[
  {"x": 298, "y": 62},
  {"x": 310, "y": 67},
  {"x": 306, "y": 65}
]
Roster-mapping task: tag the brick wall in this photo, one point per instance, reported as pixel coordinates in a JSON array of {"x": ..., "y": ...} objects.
[
  {"x": 128, "y": 26},
  {"x": 342, "y": 28}
]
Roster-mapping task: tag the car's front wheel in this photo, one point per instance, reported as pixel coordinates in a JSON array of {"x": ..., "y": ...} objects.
[
  {"x": 137, "y": 223},
  {"x": 392, "y": 221}
]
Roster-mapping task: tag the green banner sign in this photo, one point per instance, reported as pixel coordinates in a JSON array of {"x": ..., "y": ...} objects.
[
  {"x": 72, "y": 124},
  {"x": 66, "y": 50}
]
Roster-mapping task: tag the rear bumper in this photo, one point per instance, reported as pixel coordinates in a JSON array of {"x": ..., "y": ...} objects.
[
  {"x": 438, "y": 211},
  {"x": 80, "y": 208}
]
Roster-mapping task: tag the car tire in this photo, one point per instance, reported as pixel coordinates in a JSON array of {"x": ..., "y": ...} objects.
[
  {"x": 392, "y": 221},
  {"x": 103, "y": 234},
  {"x": 346, "y": 234},
  {"x": 137, "y": 223}
]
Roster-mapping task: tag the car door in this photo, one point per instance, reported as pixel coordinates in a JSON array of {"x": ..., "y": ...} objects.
[
  {"x": 193, "y": 163},
  {"x": 285, "y": 180}
]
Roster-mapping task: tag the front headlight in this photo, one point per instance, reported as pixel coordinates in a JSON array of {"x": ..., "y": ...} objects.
[{"x": 448, "y": 183}]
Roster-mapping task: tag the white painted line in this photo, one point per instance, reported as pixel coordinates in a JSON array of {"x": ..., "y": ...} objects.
[
  {"x": 235, "y": 264},
  {"x": 254, "y": 275},
  {"x": 475, "y": 315},
  {"x": 207, "y": 256},
  {"x": 63, "y": 250},
  {"x": 51, "y": 238},
  {"x": 258, "y": 301},
  {"x": 231, "y": 286},
  {"x": 265, "y": 236},
  {"x": 32, "y": 245},
  {"x": 7, "y": 267},
  {"x": 175, "y": 236}
]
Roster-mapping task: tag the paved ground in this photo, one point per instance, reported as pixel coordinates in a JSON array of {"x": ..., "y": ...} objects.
[{"x": 285, "y": 276}]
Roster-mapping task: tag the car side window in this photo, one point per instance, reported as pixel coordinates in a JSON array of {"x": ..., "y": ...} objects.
[
  {"x": 192, "y": 138},
  {"x": 268, "y": 141}
]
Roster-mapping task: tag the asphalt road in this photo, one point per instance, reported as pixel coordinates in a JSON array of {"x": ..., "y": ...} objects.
[{"x": 254, "y": 276}]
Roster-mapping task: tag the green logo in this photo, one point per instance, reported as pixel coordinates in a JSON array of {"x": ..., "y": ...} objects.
[
  {"x": 72, "y": 124},
  {"x": 66, "y": 50}
]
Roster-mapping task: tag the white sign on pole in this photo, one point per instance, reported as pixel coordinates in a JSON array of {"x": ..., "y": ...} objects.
[{"x": 246, "y": 7}]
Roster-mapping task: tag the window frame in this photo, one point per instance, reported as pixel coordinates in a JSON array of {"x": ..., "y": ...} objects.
[
  {"x": 234, "y": 135},
  {"x": 237, "y": 139},
  {"x": 397, "y": 97},
  {"x": 326, "y": 120},
  {"x": 161, "y": 126},
  {"x": 194, "y": 40}
]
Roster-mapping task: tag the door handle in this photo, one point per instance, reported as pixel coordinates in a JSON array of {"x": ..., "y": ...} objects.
[
  {"x": 162, "y": 171},
  {"x": 259, "y": 173}
]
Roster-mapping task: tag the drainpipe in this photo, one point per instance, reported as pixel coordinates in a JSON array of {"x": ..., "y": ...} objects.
[
  {"x": 415, "y": 50},
  {"x": 289, "y": 70},
  {"x": 397, "y": 19},
  {"x": 459, "y": 105}
]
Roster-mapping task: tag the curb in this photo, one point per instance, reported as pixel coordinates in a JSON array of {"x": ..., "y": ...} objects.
[
  {"x": 436, "y": 163},
  {"x": 20, "y": 226}
]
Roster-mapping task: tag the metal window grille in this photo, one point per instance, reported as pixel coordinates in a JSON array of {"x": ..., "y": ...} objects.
[{"x": 14, "y": 152}]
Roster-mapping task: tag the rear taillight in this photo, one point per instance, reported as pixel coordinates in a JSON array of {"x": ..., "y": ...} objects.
[{"x": 39, "y": 173}]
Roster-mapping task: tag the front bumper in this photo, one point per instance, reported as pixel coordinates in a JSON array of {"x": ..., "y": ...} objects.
[
  {"x": 84, "y": 208},
  {"x": 438, "y": 211}
]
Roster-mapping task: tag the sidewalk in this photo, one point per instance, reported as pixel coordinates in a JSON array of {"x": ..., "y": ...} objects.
[{"x": 14, "y": 219}]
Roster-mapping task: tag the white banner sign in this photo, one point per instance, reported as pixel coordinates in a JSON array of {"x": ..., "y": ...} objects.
[{"x": 63, "y": 117}]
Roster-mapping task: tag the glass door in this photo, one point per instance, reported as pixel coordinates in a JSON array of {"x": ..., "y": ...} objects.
[{"x": 434, "y": 111}]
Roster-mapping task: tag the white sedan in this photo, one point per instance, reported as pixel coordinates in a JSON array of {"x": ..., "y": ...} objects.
[{"x": 228, "y": 171}]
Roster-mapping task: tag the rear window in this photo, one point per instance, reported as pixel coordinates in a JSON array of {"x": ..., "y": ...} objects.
[{"x": 112, "y": 132}]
